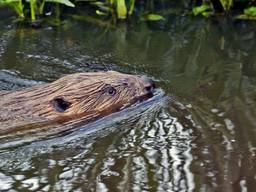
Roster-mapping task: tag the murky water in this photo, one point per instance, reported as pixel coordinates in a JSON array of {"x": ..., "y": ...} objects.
[{"x": 200, "y": 137}]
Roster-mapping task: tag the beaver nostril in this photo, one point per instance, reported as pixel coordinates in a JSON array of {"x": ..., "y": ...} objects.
[
  {"x": 149, "y": 89},
  {"x": 148, "y": 83}
]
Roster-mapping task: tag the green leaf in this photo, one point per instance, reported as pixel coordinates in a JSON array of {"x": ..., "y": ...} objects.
[
  {"x": 98, "y": 12},
  {"x": 201, "y": 9},
  {"x": 6, "y": 2},
  {"x": 154, "y": 17},
  {"x": 131, "y": 6},
  {"x": 121, "y": 9},
  {"x": 84, "y": 1},
  {"x": 14, "y": 4},
  {"x": 102, "y": 6},
  {"x": 226, "y": 4},
  {"x": 251, "y": 11},
  {"x": 33, "y": 7},
  {"x": 98, "y": 3},
  {"x": 65, "y": 2},
  {"x": 207, "y": 13}
]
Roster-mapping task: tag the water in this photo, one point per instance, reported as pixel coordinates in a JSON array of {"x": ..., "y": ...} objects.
[{"x": 199, "y": 137}]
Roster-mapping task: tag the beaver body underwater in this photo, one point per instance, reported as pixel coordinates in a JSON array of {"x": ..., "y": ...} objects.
[{"x": 70, "y": 100}]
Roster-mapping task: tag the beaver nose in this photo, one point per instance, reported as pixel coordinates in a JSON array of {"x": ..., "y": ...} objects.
[{"x": 148, "y": 83}]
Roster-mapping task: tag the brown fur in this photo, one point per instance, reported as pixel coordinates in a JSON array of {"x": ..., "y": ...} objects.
[{"x": 87, "y": 96}]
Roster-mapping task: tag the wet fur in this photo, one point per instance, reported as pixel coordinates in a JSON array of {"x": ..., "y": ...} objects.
[{"x": 86, "y": 95}]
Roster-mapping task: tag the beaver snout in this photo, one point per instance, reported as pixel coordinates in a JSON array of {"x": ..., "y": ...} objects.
[{"x": 148, "y": 83}]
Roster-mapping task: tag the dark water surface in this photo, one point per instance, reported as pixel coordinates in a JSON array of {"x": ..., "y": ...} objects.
[{"x": 200, "y": 137}]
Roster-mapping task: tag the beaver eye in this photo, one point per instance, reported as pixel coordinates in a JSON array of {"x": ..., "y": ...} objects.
[
  {"x": 111, "y": 91},
  {"x": 60, "y": 104}
]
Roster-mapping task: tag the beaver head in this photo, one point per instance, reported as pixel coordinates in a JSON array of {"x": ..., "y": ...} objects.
[{"x": 80, "y": 95}]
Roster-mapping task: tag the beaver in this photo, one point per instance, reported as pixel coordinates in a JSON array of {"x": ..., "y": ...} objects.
[{"x": 71, "y": 100}]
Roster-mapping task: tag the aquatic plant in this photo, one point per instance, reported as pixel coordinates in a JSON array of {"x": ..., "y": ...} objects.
[
  {"x": 226, "y": 4},
  {"x": 240, "y": 9},
  {"x": 17, "y": 5},
  {"x": 36, "y": 7},
  {"x": 152, "y": 10}
]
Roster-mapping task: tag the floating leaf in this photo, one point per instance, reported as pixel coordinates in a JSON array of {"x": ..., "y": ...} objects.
[
  {"x": 154, "y": 17},
  {"x": 202, "y": 9},
  {"x": 251, "y": 11},
  {"x": 98, "y": 12},
  {"x": 102, "y": 6},
  {"x": 207, "y": 13},
  {"x": 98, "y": 3},
  {"x": 245, "y": 17}
]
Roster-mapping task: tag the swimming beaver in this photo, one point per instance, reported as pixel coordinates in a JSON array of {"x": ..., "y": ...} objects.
[{"x": 72, "y": 99}]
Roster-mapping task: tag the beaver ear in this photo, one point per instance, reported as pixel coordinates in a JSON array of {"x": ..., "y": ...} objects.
[{"x": 60, "y": 104}]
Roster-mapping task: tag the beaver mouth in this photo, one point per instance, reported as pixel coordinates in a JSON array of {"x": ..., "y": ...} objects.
[{"x": 144, "y": 97}]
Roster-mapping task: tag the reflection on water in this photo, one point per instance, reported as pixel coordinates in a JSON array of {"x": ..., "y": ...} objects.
[
  {"x": 144, "y": 155},
  {"x": 203, "y": 139}
]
